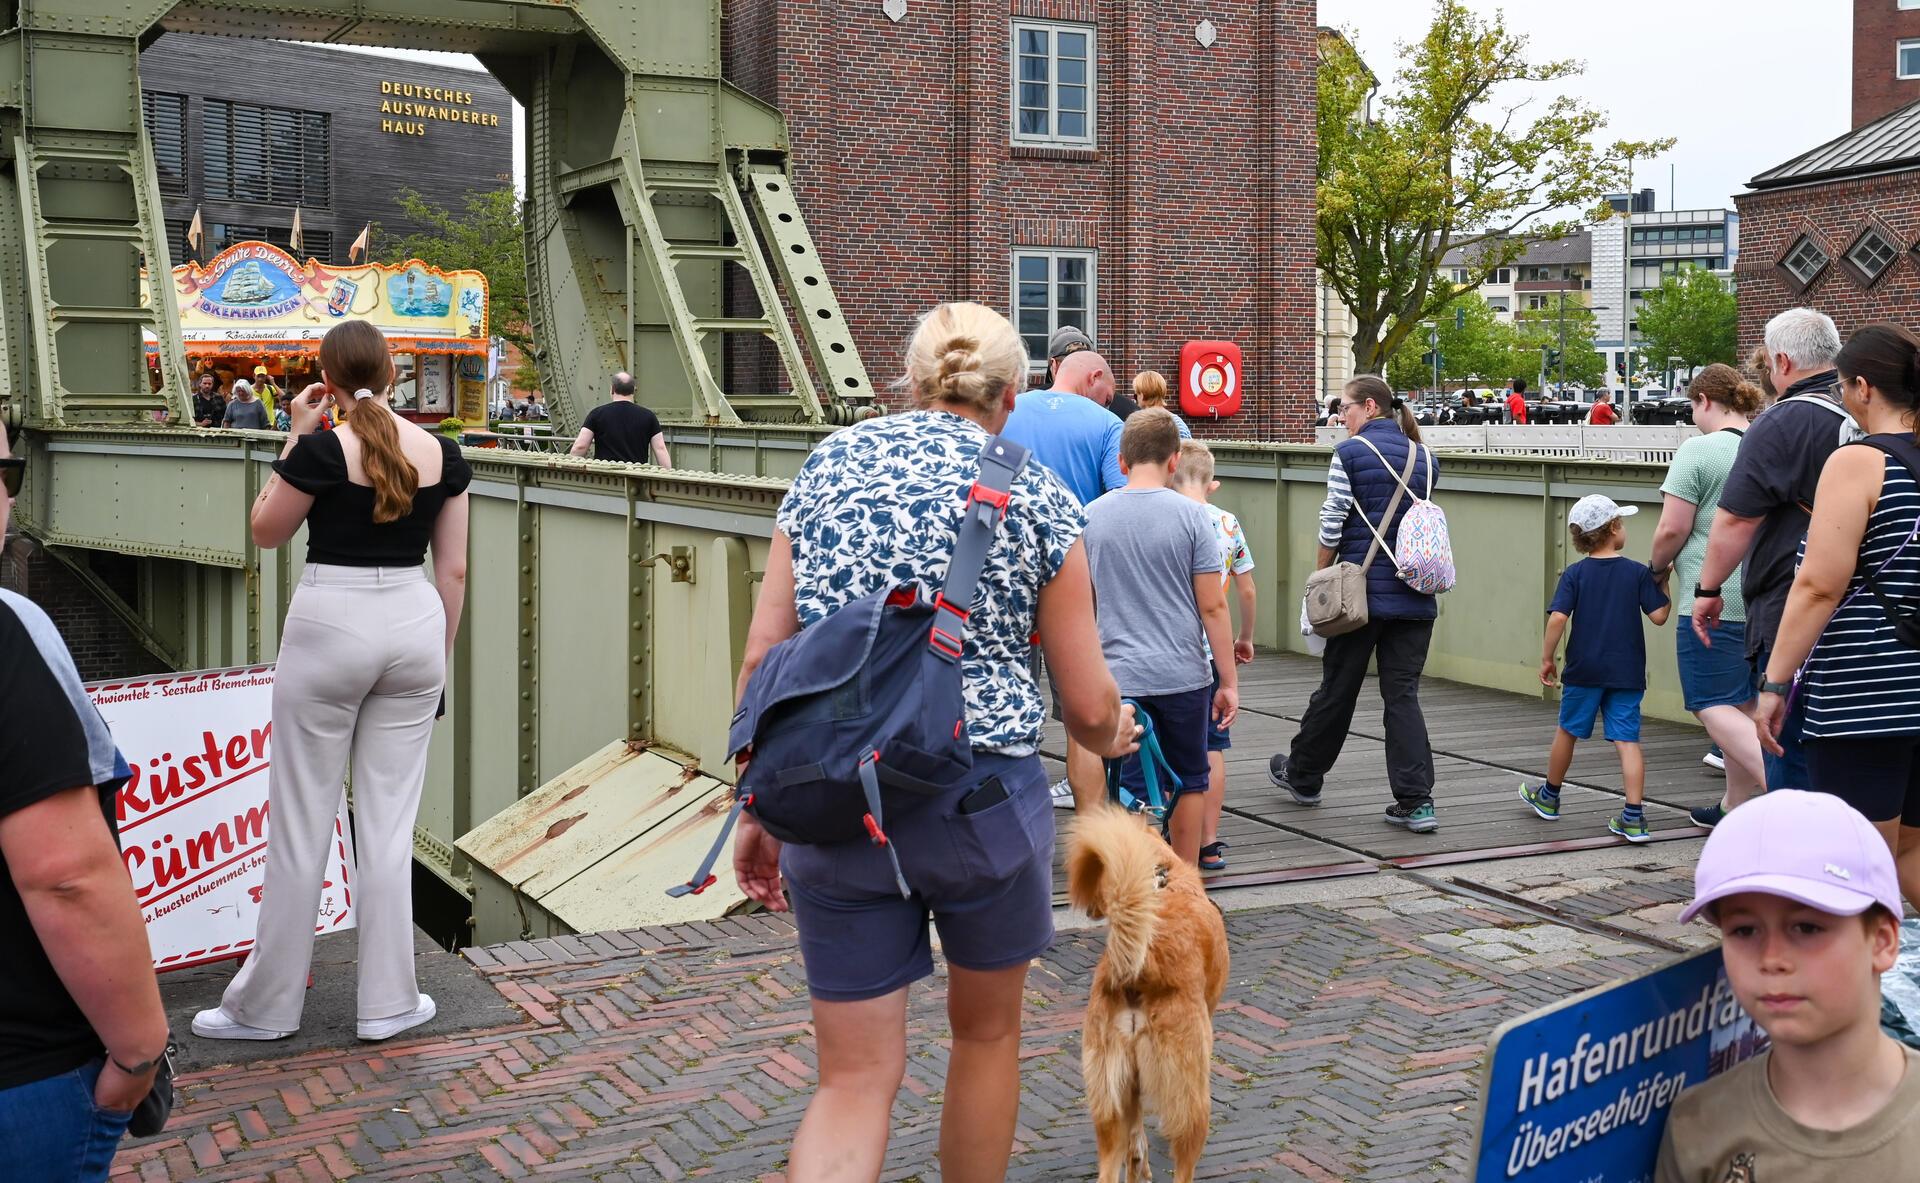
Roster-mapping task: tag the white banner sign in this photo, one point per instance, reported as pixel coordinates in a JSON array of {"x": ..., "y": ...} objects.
[{"x": 193, "y": 820}]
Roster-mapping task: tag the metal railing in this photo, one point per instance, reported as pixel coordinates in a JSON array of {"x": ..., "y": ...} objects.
[{"x": 1579, "y": 441}]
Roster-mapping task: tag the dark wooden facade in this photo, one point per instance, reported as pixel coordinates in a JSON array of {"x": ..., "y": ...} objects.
[{"x": 245, "y": 129}]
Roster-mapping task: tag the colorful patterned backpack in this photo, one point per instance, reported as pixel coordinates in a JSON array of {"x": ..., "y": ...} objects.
[{"x": 1423, "y": 556}]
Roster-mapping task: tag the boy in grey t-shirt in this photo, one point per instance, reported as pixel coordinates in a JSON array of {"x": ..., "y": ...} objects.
[{"x": 1157, "y": 591}]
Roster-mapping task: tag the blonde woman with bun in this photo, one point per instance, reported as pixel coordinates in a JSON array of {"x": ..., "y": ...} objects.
[
  {"x": 1150, "y": 390},
  {"x": 362, "y": 667},
  {"x": 1716, "y": 681},
  {"x": 876, "y": 505}
]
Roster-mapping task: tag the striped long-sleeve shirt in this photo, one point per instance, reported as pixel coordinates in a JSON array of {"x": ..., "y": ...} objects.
[{"x": 1339, "y": 502}]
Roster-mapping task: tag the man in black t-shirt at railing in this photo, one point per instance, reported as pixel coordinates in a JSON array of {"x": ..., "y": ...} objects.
[{"x": 622, "y": 429}]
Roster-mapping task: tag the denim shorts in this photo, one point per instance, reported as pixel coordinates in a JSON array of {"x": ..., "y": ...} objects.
[
  {"x": 1620, "y": 708},
  {"x": 1718, "y": 675},
  {"x": 985, "y": 879},
  {"x": 1218, "y": 739},
  {"x": 1181, "y": 722},
  {"x": 51, "y": 1129}
]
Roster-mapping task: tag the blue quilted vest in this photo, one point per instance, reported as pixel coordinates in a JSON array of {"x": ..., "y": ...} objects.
[{"x": 1373, "y": 486}]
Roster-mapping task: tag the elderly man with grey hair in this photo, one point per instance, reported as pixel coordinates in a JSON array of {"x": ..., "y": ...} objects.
[{"x": 1768, "y": 500}]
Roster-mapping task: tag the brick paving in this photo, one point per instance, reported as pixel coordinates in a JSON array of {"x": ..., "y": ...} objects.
[{"x": 1349, "y": 1048}]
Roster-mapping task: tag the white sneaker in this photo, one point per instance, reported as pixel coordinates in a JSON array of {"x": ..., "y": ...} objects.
[
  {"x": 1062, "y": 792},
  {"x": 1713, "y": 759},
  {"x": 374, "y": 1030},
  {"x": 218, "y": 1024}
]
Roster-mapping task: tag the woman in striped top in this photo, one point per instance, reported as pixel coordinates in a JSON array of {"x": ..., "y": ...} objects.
[{"x": 1860, "y": 679}]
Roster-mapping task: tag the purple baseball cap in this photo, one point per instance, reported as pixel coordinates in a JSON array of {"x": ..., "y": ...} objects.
[{"x": 1812, "y": 848}]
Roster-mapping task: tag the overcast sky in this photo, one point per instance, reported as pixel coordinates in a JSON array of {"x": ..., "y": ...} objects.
[{"x": 1742, "y": 84}]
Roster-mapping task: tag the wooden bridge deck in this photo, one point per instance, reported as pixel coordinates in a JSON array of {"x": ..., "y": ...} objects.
[{"x": 1485, "y": 742}]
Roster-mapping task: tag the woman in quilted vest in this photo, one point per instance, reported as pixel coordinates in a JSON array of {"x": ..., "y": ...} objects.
[{"x": 1363, "y": 479}]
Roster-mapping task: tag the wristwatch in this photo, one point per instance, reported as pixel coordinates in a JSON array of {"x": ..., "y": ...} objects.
[
  {"x": 1781, "y": 688},
  {"x": 1705, "y": 593}
]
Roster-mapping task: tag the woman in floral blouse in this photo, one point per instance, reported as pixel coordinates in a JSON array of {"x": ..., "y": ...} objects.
[{"x": 878, "y": 505}]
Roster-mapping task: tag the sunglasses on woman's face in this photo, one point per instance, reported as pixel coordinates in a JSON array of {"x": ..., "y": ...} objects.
[{"x": 13, "y": 470}]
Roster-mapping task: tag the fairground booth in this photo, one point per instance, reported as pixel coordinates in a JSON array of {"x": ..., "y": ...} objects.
[{"x": 252, "y": 305}]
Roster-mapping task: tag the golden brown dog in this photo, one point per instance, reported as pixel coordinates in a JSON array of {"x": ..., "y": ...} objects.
[{"x": 1148, "y": 1045}]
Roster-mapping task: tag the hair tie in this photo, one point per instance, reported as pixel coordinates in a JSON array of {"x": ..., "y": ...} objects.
[
  {"x": 1396, "y": 404},
  {"x": 361, "y": 393}
]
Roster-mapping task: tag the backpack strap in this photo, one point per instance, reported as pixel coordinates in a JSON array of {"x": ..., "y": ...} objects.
[
  {"x": 1904, "y": 453},
  {"x": 1001, "y": 460}
]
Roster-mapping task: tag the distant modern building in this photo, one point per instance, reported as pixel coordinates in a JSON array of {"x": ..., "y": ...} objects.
[
  {"x": 244, "y": 131},
  {"x": 1886, "y": 57},
  {"x": 1663, "y": 242},
  {"x": 1537, "y": 279}
]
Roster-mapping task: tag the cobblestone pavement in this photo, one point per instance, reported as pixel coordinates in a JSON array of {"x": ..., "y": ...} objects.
[{"x": 1349, "y": 1049}]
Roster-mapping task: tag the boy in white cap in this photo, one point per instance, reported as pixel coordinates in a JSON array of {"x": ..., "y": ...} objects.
[
  {"x": 1604, "y": 594},
  {"x": 1804, "y": 892}
]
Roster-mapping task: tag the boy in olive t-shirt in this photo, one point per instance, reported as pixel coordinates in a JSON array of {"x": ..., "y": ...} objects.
[{"x": 1803, "y": 890}]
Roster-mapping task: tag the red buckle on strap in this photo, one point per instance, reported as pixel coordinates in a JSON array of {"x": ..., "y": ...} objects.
[
  {"x": 874, "y": 831},
  {"x": 998, "y": 498},
  {"x": 941, "y": 601},
  {"x": 697, "y": 888}
]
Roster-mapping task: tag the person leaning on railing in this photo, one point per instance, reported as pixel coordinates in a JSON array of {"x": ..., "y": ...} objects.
[{"x": 874, "y": 506}]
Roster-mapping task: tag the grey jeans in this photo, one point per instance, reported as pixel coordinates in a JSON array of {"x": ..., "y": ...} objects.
[{"x": 361, "y": 667}]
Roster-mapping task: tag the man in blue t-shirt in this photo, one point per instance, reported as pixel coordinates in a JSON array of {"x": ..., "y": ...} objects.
[
  {"x": 1603, "y": 595},
  {"x": 1068, "y": 428}
]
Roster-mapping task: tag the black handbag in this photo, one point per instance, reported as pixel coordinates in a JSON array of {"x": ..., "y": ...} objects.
[{"x": 150, "y": 1115}]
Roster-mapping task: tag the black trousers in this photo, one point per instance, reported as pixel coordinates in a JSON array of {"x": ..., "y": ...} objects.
[{"x": 1401, "y": 647}]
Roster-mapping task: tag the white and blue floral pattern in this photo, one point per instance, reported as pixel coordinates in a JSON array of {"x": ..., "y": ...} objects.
[{"x": 877, "y": 505}]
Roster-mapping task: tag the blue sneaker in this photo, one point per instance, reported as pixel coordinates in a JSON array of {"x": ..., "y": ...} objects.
[
  {"x": 1631, "y": 831},
  {"x": 1536, "y": 796},
  {"x": 1418, "y": 818}
]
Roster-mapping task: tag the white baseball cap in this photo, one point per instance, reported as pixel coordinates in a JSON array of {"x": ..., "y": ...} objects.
[{"x": 1596, "y": 510}]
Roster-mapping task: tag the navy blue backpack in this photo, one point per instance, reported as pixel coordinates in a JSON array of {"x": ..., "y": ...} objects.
[{"x": 865, "y": 707}]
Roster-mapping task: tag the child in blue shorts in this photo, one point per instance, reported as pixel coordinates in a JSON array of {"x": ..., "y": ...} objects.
[
  {"x": 1157, "y": 592},
  {"x": 1604, "y": 595}
]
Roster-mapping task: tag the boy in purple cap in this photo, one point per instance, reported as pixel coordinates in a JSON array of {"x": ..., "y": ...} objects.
[
  {"x": 1602, "y": 596},
  {"x": 1804, "y": 892}
]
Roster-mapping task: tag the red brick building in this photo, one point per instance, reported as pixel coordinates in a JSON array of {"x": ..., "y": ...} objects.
[
  {"x": 1145, "y": 167},
  {"x": 1886, "y": 57},
  {"x": 1836, "y": 228}
]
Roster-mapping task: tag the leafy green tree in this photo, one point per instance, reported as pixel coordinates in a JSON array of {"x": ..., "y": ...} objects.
[
  {"x": 1691, "y": 316},
  {"x": 1447, "y": 164},
  {"x": 484, "y": 236},
  {"x": 1475, "y": 345},
  {"x": 1568, "y": 325}
]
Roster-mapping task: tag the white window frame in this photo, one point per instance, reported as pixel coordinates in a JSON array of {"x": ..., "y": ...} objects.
[
  {"x": 1906, "y": 4},
  {"x": 1900, "y": 49},
  {"x": 1892, "y": 252},
  {"x": 1053, "y": 255},
  {"x": 1793, "y": 251},
  {"x": 1053, "y": 138}
]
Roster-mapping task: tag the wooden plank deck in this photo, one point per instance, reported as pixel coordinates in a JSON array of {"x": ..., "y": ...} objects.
[{"x": 1485, "y": 743}]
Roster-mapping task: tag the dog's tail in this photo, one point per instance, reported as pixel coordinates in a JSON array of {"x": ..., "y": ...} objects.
[{"x": 1115, "y": 870}]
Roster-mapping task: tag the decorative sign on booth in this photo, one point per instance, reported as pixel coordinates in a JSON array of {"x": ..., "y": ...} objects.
[
  {"x": 193, "y": 820},
  {"x": 1580, "y": 1090}
]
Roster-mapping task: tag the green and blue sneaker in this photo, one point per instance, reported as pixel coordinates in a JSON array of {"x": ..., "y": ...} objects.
[
  {"x": 1547, "y": 805},
  {"x": 1418, "y": 818},
  {"x": 1632, "y": 831}
]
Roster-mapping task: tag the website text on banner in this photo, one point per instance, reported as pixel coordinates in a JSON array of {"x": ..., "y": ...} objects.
[
  {"x": 1581, "y": 1089},
  {"x": 193, "y": 820}
]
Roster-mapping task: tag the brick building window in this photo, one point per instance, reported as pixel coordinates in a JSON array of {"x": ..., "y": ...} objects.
[
  {"x": 1804, "y": 262},
  {"x": 1909, "y": 59},
  {"x": 1051, "y": 288},
  {"x": 165, "y": 116},
  {"x": 1053, "y": 84},
  {"x": 1871, "y": 255}
]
